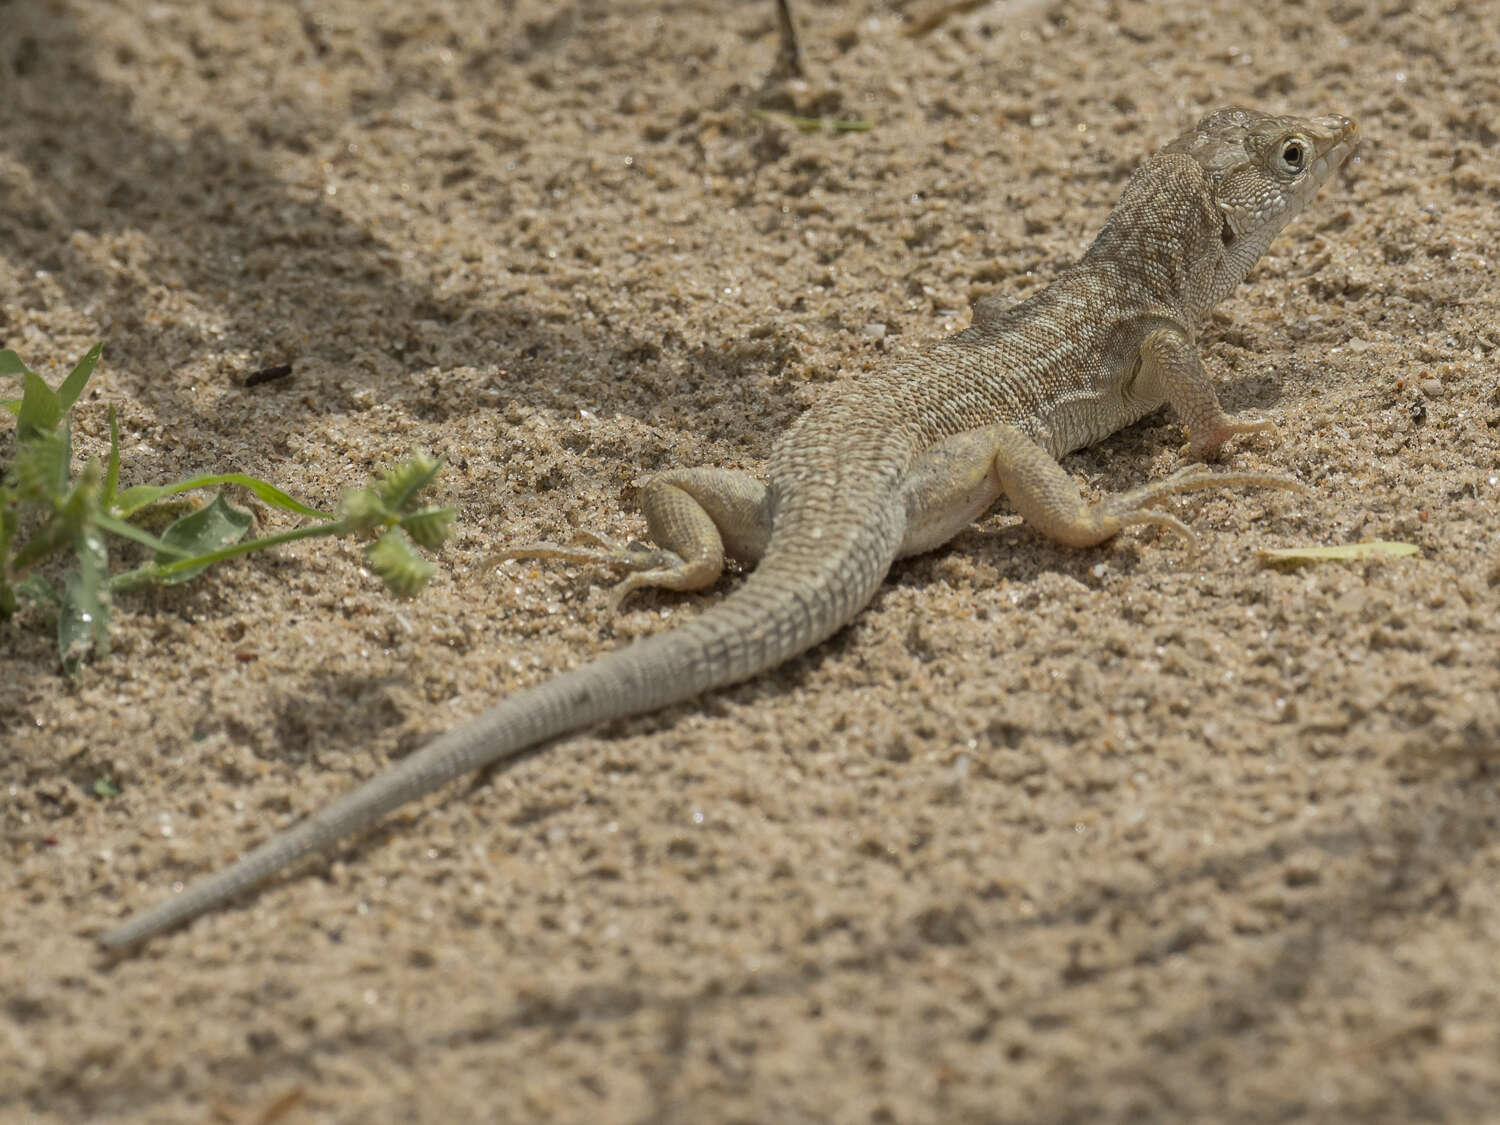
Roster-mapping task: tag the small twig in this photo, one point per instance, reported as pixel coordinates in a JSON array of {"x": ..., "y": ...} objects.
[
  {"x": 789, "y": 59},
  {"x": 815, "y": 124},
  {"x": 268, "y": 374},
  {"x": 940, "y": 15}
]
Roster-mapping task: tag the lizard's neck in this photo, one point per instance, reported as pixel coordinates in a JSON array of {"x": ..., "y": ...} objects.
[{"x": 1166, "y": 239}]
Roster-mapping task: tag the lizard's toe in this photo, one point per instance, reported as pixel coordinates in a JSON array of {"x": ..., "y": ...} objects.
[{"x": 1208, "y": 445}]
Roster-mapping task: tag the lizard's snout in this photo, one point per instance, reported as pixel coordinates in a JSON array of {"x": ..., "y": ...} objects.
[
  {"x": 1340, "y": 137},
  {"x": 1339, "y": 126}
]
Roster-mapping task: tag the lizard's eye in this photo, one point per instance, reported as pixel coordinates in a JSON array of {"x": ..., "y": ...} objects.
[{"x": 1293, "y": 155}]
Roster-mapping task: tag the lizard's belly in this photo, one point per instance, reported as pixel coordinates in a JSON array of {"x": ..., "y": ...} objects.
[{"x": 1082, "y": 422}]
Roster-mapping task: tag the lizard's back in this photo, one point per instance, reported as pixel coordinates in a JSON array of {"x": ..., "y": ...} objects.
[{"x": 1055, "y": 365}]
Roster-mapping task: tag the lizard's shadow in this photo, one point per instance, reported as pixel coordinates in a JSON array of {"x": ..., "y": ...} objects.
[{"x": 281, "y": 272}]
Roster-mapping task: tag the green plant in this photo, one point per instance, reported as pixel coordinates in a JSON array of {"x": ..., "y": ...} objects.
[{"x": 47, "y": 510}]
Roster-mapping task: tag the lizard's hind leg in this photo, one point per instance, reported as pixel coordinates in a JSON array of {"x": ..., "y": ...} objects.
[{"x": 697, "y": 517}]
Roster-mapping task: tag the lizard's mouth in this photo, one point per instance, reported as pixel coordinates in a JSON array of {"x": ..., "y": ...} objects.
[{"x": 1346, "y": 133}]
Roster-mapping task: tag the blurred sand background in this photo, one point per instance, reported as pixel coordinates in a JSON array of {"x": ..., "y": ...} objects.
[{"x": 1115, "y": 835}]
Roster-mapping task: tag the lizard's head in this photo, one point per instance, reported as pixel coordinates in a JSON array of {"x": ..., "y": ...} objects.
[{"x": 1263, "y": 170}]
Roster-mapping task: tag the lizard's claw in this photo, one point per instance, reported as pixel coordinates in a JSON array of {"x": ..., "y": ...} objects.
[
  {"x": 1129, "y": 508},
  {"x": 1179, "y": 479},
  {"x": 1207, "y": 446},
  {"x": 649, "y": 566},
  {"x": 1163, "y": 520}
]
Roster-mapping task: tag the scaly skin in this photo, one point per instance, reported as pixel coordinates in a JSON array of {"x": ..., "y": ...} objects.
[{"x": 903, "y": 460}]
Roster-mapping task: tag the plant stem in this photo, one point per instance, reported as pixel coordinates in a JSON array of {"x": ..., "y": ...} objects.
[{"x": 156, "y": 572}]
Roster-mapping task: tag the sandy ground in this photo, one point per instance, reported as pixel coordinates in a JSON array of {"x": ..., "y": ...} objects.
[{"x": 1046, "y": 836}]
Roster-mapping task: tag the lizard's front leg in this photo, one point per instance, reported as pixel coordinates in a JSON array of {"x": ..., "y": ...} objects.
[
  {"x": 1172, "y": 371},
  {"x": 697, "y": 518}
]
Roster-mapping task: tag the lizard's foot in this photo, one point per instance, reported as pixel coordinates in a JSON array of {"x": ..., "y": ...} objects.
[
  {"x": 649, "y": 566},
  {"x": 1206, "y": 446},
  {"x": 1129, "y": 508}
]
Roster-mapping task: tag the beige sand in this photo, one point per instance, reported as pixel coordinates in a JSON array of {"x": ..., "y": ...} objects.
[{"x": 1048, "y": 835}]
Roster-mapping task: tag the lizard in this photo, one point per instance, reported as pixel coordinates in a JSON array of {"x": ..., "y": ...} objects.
[{"x": 899, "y": 463}]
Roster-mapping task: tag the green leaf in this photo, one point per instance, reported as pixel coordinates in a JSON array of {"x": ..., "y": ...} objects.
[
  {"x": 400, "y": 483},
  {"x": 10, "y": 522},
  {"x": 50, "y": 537},
  {"x": 399, "y": 566},
  {"x": 83, "y": 620},
  {"x": 1373, "y": 549},
  {"x": 41, "y": 466},
  {"x": 202, "y": 532},
  {"x": 137, "y": 497},
  {"x": 78, "y": 378},
  {"x": 139, "y": 535},
  {"x": 41, "y": 409},
  {"x": 362, "y": 510},
  {"x": 430, "y": 526},
  {"x": 11, "y": 363},
  {"x": 104, "y": 787},
  {"x": 39, "y": 589}
]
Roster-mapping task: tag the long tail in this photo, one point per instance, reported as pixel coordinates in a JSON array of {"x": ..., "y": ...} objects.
[{"x": 788, "y": 605}]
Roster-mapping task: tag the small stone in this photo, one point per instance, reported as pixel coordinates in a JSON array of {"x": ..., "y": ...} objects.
[
  {"x": 875, "y": 330},
  {"x": 1431, "y": 388}
]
